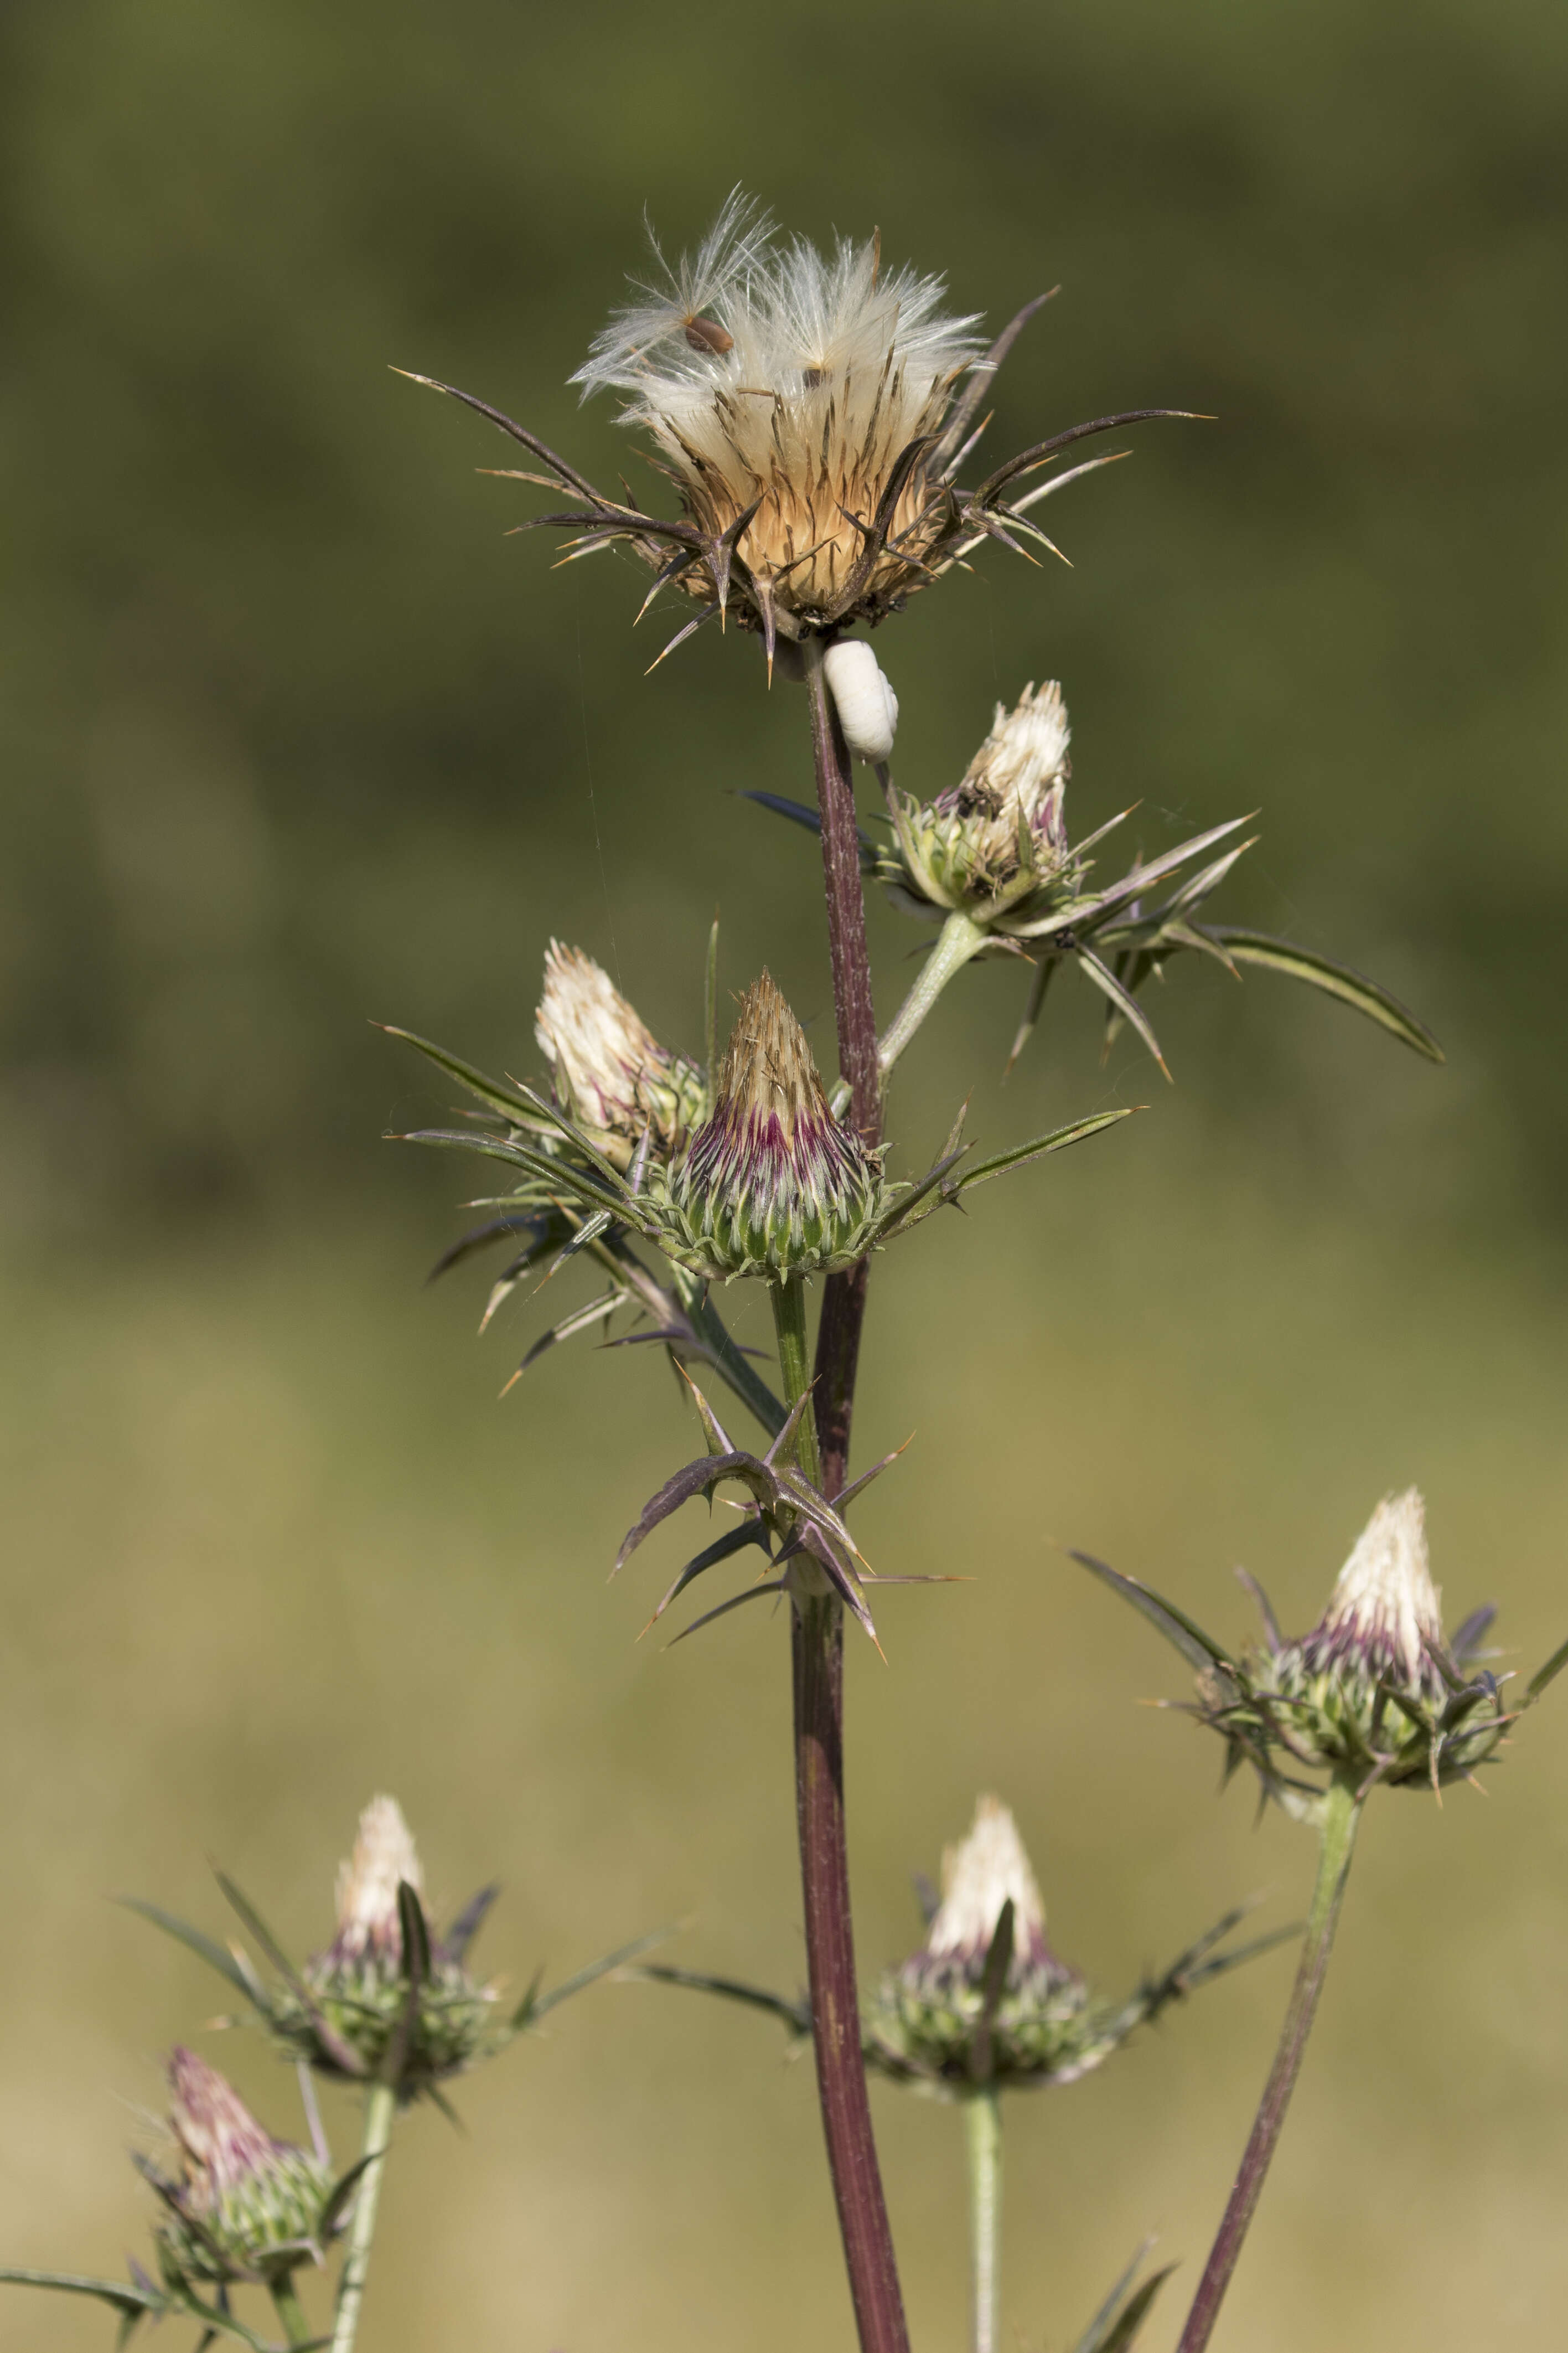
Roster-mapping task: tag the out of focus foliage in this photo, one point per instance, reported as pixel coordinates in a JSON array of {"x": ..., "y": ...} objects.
[{"x": 293, "y": 734}]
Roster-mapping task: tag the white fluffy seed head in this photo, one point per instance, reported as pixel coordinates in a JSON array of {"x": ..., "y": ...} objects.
[
  {"x": 978, "y": 1875},
  {"x": 867, "y": 706},
  {"x": 1385, "y": 1603},
  {"x": 794, "y": 377}
]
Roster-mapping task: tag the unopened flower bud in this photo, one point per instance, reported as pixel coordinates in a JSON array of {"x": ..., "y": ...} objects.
[
  {"x": 245, "y": 2206},
  {"x": 928, "y": 2020},
  {"x": 771, "y": 1184},
  {"x": 1367, "y": 1682},
  {"x": 1373, "y": 1690},
  {"x": 610, "y": 1073},
  {"x": 867, "y": 706},
  {"x": 993, "y": 843},
  {"x": 358, "y": 1988}
]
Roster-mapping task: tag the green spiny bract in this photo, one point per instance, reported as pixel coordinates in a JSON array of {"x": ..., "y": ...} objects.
[
  {"x": 244, "y": 2206},
  {"x": 771, "y": 1184}
]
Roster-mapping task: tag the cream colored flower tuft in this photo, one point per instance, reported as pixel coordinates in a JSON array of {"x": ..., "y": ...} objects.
[
  {"x": 1384, "y": 1610},
  {"x": 978, "y": 1877},
  {"x": 610, "y": 1073},
  {"x": 385, "y": 1855}
]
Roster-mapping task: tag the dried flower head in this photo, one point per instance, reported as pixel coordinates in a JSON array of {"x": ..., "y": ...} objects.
[
  {"x": 995, "y": 843},
  {"x": 608, "y": 1071},
  {"x": 244, "y": 2206},
  {"x": 772, "y": 1184},
  {"x": 806, "y": 406},
  {"x": 1375, "y": 1693},
  {"x": 986, "y": 2000}
]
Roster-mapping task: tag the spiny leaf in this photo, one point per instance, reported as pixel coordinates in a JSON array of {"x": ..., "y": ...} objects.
[
  {"x": 136, "y": 2303},
  {"x": 207, "y": 1948},
  {"x": 511, "y": 1104},
  {"x": 795, "y": 2015},
  {"x": 1125, "y": 2332},
  {"x": 543, "y": 2003},
  {"x": 1546, "y": 1674},
  {"x": 1318, "y": 971},
  {"x": 1093, "y": 2338},
  {"x": 1017, "y": 1155},
  {"x": 1125, "y": 1003},
  {"x": 799, "y": 814},
  {"x": 1199, "y": 1650}
]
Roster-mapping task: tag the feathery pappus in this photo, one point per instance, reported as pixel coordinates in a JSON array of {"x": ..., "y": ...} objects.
[{"x": 812, "y": 412}]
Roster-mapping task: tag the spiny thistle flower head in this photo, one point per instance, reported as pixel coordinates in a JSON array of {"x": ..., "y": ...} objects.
[
  {"x": 1376, "y": 1692},
  {"x": 244, "y": 2206},
  {"x": 771, "y": 1184},
  {"x": 366, "y": 2001},
  {"x": 1373, "y": 1688},
  {"x": 608, "y": 1071},
  {"x": 995, "y": 842},
  {"x": 967, "y": 2007},
  {"x": 986, "y": 2000},
  {"x": 792, "y": 396}
]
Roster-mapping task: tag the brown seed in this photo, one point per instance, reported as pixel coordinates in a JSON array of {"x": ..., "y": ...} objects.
[{"x": 707, "y": 335}]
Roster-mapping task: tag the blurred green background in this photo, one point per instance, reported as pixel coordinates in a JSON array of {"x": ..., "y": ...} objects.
[{"x": 295, "y": 737}]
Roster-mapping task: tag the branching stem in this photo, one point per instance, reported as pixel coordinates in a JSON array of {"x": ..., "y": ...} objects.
[
  {"x": 1341, "y": 1814},
  {"x": 817, "y": 1621},
  {"x": 958, "y": 940},
  {"x": 380, "y": 2106}
]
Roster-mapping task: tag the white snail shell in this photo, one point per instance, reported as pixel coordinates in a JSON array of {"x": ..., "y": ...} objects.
[{"x": 868, "y": 707}]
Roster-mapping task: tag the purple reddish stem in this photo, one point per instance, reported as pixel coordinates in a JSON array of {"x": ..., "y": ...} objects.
[
  {"x": 1341, "y": 1817},
  {"x": 818, "y": 1629}
]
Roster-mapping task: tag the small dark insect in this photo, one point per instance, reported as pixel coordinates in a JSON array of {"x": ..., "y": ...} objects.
[{"x": 707, "y": 335}]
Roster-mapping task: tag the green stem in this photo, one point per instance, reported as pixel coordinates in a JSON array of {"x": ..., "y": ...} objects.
[
  {"x": 983, "y": 2128},
  {"x": 727, "y": 1357},
  {"x": 296, "y": 2329},
  {"x": 794, "y": 1364},
  {"x": 380, "y": 2108},
  {"x": 1342, "y": 1816},
  {"x": 958, "y": 940}
]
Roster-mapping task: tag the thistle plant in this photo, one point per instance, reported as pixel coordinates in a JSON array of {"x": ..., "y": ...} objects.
[
  {"x": 986, "y": 2006},
  {"x": 812, "y": 418},
  {"x": 388, "y": 2006},
  {"x": 812, "y": 415},
  {"x": 1376, "y": 1694}
]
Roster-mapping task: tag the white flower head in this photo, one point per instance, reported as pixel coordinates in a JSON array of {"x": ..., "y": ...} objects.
[
  {"x": 384, "y": 1856},
  {"x": 1384, "y": 1612},
  {"x": 978, "y": 1876},
  {"x": 804, "y": 391},
  {"x": 610, "y": 1073}
]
